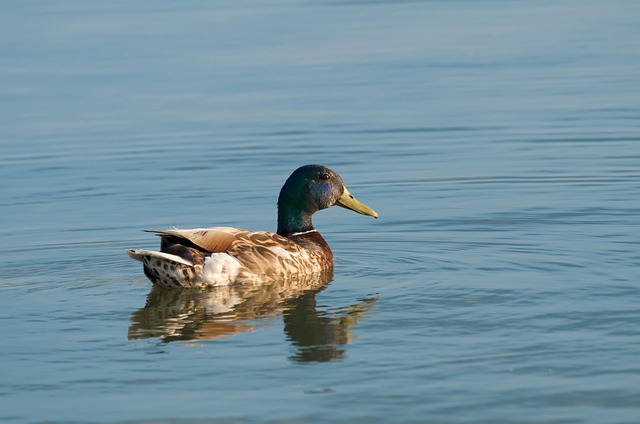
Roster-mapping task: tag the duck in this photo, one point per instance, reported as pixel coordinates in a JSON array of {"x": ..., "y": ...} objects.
[{"x": 220, "y": 256}]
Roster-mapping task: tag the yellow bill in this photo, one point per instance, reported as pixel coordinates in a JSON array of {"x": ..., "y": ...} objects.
[{"x": 349, "y": 202}]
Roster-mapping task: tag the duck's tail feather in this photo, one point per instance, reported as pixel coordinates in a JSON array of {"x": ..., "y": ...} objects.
[
  {"x": 165, "y": 269},
  {"x": 140, "y": 255}
]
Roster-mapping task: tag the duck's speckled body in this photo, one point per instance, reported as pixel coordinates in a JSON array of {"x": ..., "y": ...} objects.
[{"x": 224, "y": 255}]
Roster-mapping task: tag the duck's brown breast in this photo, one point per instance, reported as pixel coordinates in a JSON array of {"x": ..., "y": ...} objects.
[{"x": 315, "y": 243}]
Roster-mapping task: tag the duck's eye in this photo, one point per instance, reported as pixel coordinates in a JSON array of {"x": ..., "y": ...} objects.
[{"x": 324, "y": 176}]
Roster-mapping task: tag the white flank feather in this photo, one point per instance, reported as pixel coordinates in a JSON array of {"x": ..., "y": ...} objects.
[{"x": 220, "y": 269}]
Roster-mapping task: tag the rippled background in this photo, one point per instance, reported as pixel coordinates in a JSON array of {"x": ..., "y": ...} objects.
[{"x": 499, "y": 142}]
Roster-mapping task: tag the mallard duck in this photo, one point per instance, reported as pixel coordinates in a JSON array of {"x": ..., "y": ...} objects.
[{"x": 225, "y": 255}]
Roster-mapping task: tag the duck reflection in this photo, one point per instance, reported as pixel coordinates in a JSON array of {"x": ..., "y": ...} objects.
[{"x": 211, "y": 313}]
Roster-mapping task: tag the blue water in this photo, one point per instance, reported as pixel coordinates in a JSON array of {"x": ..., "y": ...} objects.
[{"x": 499, "y": 141}]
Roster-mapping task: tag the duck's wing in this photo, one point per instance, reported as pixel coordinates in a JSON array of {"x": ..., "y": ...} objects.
[
  {"x": 263, "y": 253},
  {"x": 216, "y": 239}
]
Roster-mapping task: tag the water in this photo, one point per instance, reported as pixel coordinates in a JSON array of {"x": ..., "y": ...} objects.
[{"x": 499, "y": 142}]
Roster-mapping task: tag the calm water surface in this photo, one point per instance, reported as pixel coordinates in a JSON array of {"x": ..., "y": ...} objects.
[{"x": 499, "y": 141}]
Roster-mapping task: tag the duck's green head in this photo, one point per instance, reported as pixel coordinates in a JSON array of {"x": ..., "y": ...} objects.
[{"x": 309, "y": 189}]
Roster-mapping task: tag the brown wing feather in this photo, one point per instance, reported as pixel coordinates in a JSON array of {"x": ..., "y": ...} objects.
[
  {"x": 269, "y": 254},
  {"x": 216, "y": 239}
]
